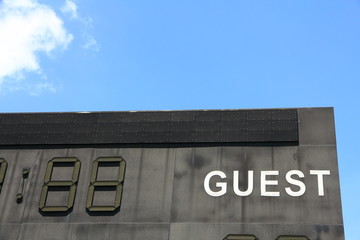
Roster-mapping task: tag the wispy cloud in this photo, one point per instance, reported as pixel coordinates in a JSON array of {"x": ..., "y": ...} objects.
[
  {"x": 37, "y": 89},
  {"x": 26, "y": 29},
  {"x": 33, "y": 88},
  {"x": 70, "y": 8},
  {"x": 91, "y": 44}
]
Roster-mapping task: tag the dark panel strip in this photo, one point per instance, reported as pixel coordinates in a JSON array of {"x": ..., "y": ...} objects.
[{"x": 216, "y": 126}]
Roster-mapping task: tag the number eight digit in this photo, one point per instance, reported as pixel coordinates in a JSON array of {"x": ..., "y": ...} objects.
[
  {"x": 252, "y": 237},
  {"x": 240, "y": 237},
  {"x": 292, "y": 238},
  {"x": 114, "y": 185},
  {"x": 53, "y": 185},
  {"x": 3, "y": 167}
]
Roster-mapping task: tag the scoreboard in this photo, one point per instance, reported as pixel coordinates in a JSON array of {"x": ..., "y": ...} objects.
[{"x": 264, "y": 174}]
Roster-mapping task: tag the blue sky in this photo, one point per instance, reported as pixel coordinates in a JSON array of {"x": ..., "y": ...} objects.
[{"x": 77, "y": 55}]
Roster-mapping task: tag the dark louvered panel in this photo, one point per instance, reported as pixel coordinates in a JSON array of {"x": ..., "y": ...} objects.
[{"x": 216, "y": 126}]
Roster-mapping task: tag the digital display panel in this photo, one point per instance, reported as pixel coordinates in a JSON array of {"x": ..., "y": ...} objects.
[{"x": 277, "y": 181}]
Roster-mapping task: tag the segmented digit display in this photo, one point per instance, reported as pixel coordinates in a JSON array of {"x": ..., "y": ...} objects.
[
  {"x": 3, "y": 167},
  {"x": 292, "y": 238},
  {"x": 252, "y": 237},
  {"x": 52, "y": 185},
  {"x": 114, "y": 185},
  {"x": 240, "y": 237}
]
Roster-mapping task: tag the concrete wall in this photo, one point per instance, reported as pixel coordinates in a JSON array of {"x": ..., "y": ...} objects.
[{"x": 164, "y": 197}]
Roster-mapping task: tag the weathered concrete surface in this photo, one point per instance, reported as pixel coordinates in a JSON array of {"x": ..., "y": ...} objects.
[{"x": 164, "y": 197}]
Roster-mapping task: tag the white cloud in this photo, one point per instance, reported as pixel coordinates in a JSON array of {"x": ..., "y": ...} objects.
[
  {"x": 41, "y": 86},
  {"x": 91, "y": 44},
  {"x": 27, "y": 28},
  {"x": 70, "y": 8}
]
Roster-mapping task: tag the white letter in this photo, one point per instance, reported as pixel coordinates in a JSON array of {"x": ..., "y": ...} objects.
[
  {"x": 320, "y": 174},
  {"x": 295, "y": 182},
  {"x": 250, "y": 184},
  {"x": 265, "y": 182},
  {"x": 221, "y": 185}
]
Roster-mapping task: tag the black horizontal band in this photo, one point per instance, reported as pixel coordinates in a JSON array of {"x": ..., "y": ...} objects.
[{"x": 205, "y": 126}]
